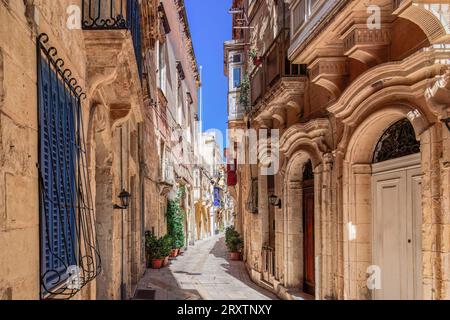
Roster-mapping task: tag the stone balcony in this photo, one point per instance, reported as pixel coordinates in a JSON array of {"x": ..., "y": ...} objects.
[
  {"x": 113, "y": 51},
  {"x": 276, "y": 83}
]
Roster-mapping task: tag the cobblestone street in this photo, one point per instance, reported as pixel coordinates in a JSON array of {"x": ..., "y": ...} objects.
[{"x": 204, "y": 272}]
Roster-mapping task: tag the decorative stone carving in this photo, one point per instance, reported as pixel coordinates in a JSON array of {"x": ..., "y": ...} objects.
[
  {"x": 438, "y": 94},
  {"x": 406, "y": 80},
  {"x": 367, "y": 45},
  {"x": 112, "y": 73},
  {"x": 330, "y": 73},
  {"x": 315, "y": 134},
  {"x": 432, "y": 18}
]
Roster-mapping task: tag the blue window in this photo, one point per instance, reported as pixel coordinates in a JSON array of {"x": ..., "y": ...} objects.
[
  {"x": 57, "y": 163},
  {"x": 236, "y": 77},
  {"x": 69, "y": 251}
]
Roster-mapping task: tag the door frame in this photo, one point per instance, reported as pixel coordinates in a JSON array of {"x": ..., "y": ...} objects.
[
  {"x": 309, "y": 186},
  {"x": 406, "y": 164}
]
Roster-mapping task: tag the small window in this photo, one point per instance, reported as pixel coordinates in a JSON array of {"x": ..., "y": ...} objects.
[
  {"x": 236, "y": 58},
  {"x": 299, "y": 15},
  {"x": 236, "y": 77}
]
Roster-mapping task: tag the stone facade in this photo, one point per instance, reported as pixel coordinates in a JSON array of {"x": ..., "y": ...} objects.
[
  {"x": 346, "y": 83},
  {"x": 118, "y": 70},
  {"x": 173, "y": 82}
]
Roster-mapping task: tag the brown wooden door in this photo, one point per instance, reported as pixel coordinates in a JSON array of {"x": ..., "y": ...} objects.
[{"x": 308, "y": 241}]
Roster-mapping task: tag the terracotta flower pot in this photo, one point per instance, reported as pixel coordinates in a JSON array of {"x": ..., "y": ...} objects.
[
  {"x": 174, "y": 253},
  {"x": 157, "y": 263},
  {"x": 166, "y": 261},
  {"x": 257, "y": 61},
  {"x": 235, "y": 256}
]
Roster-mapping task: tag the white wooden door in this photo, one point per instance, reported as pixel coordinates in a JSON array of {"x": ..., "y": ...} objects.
[{"x": 396, "y": 228}]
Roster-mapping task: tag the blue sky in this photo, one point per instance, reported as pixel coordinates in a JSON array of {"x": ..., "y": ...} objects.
[{"x": 210, "y": 26}]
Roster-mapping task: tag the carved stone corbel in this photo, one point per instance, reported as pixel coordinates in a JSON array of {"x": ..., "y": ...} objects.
[
  {"x": 330, "y": 73},
  {"x": 368, "y": 46},
  {"x": 438, "y": 94}
]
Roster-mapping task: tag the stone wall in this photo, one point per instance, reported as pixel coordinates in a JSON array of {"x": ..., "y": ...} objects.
[{"x": 22, "y": 21}]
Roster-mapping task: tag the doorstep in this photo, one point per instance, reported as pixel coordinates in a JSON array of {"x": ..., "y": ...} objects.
[{"x": 277, "y": 288}]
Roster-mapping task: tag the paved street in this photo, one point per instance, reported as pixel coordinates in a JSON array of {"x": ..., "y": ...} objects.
[{"x": 204, "y": 272}]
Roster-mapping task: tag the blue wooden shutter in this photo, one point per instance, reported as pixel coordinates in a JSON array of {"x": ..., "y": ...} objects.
[{"x": 57, "y": 163}]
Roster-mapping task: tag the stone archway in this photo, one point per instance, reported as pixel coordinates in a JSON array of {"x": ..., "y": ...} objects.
[
  {"x": 359, "y": 229},
  {"x": 294, "y": 224},
  {"x": 300, "y": 144}
]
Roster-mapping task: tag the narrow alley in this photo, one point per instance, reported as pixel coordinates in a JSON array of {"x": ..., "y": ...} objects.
[
  {"x": 204, "y": 272},
  {"x": 276, "y": 150}
]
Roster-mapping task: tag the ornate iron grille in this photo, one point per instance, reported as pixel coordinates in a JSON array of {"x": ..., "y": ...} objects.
[
  {"x": 105, "y": 14},
  {"x": 397, "y": 141},
  {"x": 69, "y": 254}
]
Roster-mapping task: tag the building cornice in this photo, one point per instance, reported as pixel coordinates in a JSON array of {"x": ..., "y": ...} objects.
[{"x": 182, "y": 16}]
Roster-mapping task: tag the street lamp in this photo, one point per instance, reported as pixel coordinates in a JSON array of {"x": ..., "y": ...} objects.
[
  {"x": 124, "y": 197},
  {"x": 275, "y": 201}
]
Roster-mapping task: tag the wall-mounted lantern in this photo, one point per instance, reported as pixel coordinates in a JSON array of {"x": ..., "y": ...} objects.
[
  {"x": 275, "y": 201},
  {"x": 124, "y": 197}
]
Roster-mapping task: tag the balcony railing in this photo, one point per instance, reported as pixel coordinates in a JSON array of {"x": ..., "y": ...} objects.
[
  {"x": 275, "y": 65},
  {"x": 115, "y": 15}
]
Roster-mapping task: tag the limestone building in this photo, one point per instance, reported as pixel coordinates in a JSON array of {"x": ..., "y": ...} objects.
[
  {"x": 172, "y": 115},
  {"x": 88, "y": 89},
  {"x": 359, "y": 93}
]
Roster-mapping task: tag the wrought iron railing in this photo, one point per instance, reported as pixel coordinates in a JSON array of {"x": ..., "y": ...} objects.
[
  {"x": 274, "y": 66},
  {"x": 115, "y": 15}
]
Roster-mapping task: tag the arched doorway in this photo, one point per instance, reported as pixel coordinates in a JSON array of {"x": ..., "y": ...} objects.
[
  {"x": 382, "y": 195},
  {"x": 302, "y": 223},
  {"x": 397, "y": 214},
  {"x": 308, "y": 208}
]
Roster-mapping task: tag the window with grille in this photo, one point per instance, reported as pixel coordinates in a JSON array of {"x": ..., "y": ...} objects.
[
  {"x": 69, "y": 255},
  {"x": 57, "y": 164}
]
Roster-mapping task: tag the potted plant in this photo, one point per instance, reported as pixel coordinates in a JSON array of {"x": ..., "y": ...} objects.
[
  {"x": 256, "y": 59},
  {"x": 175, "y": 226},
  {"x": 166, "y": 248},
  {"x": 244, "y": 96},
  {"x": 234, "y": 243},
  {"x": 153, "y": 251}
]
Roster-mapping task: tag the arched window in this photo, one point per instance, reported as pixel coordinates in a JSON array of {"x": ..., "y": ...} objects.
[{"x": 399, "y": 140}]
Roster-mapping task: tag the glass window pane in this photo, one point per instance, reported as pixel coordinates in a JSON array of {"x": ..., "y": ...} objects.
[{"x": 236, "y": 77}]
